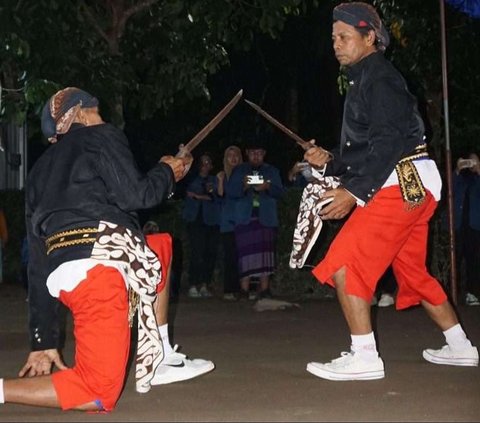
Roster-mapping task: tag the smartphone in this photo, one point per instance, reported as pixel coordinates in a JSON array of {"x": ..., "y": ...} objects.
[
  {"x": 255, "y": 179},
  {"x": 466, "y": 163}
]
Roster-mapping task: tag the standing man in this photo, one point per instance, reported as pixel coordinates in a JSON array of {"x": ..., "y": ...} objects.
[
  {"x": 255, "y": 186},
  {"x": 393, "y": 187},
  {"x": 466, "y": 201},
  {"x": 201, "y": 212}
]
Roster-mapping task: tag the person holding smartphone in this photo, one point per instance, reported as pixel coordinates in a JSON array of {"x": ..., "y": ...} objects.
[
  {"x": 300, "y": 174},
  {"x": 255, "y": 186},
  {"x": 466, "y": 200}
]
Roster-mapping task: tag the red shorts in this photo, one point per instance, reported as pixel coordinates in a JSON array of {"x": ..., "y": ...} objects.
[
  {"x": 99, "y": 307},
  {"x": 161, "y": 245},
  {"x": 377, "y": 235}
]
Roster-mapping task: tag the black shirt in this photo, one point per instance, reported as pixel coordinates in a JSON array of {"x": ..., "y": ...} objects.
[
  {"x": 381, "y": 123},
  {"x": 87, "y": 176}
]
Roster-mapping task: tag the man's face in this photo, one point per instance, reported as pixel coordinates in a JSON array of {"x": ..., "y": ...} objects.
[
  {"x": 349, "y": 45},
  {"x": 205, "y": 165},
  {"x": 255, "y": 156}
]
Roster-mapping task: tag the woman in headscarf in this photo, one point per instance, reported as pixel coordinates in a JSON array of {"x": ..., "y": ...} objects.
[{"x": 232, "y": 157}]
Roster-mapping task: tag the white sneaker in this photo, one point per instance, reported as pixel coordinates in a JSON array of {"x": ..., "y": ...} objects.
[
  {"x": 193, "y": 292},
  {"x": 230, "y": 296},
  {"x": 204, "y": 292},
  {"x": 471, "y": 300},
  {"x": 446, "y": 355},
  {"x": 386, "y": 300},
  {"x": 176, "y": 367},
  {"x": 348, "y": 367}
]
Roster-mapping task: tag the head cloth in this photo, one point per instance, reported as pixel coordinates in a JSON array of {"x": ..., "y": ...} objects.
[
  {"x": 61, "y": 110},
  {"x": 363, "y": 15}
]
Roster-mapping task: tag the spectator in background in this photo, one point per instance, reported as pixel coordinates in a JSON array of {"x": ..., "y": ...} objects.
[
  {"x": 466, "y": 197},
  {"x": 255, "y": 186},
  {"x": 3, "y": 240},
  {"x": 231, "y": 158},
  {"x": 201, "y": 212},
  {"x": 300, "y": 174}
]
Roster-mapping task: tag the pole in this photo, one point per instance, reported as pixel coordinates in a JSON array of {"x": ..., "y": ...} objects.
[{"x": 448, "y": 161}]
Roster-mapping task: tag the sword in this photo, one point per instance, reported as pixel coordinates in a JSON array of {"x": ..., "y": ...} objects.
[
  {"x": 300, "y": 141},
  {"x": 187, "y": 148}
]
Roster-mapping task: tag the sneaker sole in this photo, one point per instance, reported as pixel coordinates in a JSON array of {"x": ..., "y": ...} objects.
[
  {"x": 325, "y": 374},
  {"x": 473, "y": 362},
  {"x": 173, "y": 379}
]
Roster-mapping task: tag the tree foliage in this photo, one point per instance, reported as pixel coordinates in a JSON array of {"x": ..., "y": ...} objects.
[
  {"x": 416, "y": 49},
  {"x": 151, "y": 58},
  {"x": 142, "y": 54}
]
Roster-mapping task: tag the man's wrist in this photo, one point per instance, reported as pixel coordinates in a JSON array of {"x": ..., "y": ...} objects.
[{"x": 359, "y": 201}]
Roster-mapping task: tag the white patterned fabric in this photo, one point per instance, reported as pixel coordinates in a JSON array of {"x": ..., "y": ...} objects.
[
  {"x": 119, "y": 244},
  {"x": 309, "y": 223}
]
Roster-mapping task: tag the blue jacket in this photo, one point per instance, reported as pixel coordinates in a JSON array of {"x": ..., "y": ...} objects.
[
  {"x": 210, "y": 210},
  {"x": 267, "y": 214},
  {"x": 460, "y": 185},
  {"x": 227, "y": 210}
]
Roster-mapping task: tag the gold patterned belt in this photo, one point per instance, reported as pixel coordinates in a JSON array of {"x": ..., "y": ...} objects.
[
  {"x": 80, "y": 236},
  {"x": 411, "y": 186}
]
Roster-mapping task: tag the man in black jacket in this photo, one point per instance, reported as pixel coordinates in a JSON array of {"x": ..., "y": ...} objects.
[
  {"x": 385, "y": 171},
  {"x": 87, "y": 250}
]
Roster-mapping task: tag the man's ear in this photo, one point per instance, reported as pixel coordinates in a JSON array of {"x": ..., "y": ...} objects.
[{"x": 371, "y": 37}]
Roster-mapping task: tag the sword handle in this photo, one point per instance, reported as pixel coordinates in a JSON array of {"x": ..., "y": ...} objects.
[
  {"x": 183, "y": 152},
  {"x": 186, "y": 156},
  {"x": 307, "y": 145}
]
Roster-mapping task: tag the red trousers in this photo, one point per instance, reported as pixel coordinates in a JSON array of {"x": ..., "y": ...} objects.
[
  {"x": 384, "y": 232},
  {"x": 99, "y": 307}
]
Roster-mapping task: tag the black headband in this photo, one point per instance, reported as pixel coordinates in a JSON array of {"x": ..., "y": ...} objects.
[{"x": 363, "y": 15}]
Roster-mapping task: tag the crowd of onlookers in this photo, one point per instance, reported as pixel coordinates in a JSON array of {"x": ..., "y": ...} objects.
[
  {"x": 236, "y": 209},
  {"x": 231, "y": 224}
]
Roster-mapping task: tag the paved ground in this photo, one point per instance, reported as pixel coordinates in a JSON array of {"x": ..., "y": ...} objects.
[{"x": 260, "y": 368}]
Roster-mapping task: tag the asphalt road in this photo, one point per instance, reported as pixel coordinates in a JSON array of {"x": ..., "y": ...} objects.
[{"x": 260, "y": 372}]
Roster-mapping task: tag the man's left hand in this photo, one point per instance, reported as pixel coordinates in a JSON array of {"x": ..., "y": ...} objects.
[
  {"x": 41, "y": 362},
  {"x": 343, "y": 202}
]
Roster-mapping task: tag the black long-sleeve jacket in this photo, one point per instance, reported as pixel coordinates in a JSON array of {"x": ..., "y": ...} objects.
[
  {"x": 87, "y": 176},
  {"x": 381, "y": 124}
]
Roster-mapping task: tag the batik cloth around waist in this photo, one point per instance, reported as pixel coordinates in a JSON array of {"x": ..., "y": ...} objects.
[
  {"x": 121, "y": 246},
  {"x": 411, "y": 185}
]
